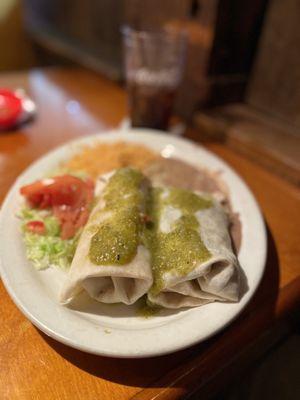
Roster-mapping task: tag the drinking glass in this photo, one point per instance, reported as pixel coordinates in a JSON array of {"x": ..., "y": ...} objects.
[{"x": 153, "y": 68}]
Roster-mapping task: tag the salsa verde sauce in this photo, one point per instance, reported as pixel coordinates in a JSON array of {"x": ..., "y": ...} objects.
[
  {"x": 181, "y": 249},
  {"x": 117, "y": 238}
]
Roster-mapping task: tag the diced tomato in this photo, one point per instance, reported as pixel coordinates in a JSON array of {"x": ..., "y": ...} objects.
[
  {"x": 36, "y": 227},
  {"x": 61, "y": 190},
  {"x": 68, "y": 196}
]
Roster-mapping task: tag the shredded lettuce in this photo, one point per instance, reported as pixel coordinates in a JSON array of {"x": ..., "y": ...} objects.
[{"x": 47, "y": 249}]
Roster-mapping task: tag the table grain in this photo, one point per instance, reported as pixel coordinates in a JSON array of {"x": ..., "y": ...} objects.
[{"x": 73, "y": 102}]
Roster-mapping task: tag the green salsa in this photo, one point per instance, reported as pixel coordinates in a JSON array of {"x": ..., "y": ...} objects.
[
  {"x": 188, "y": 202},
  {"x": 182, "y": 248},
  {"x": 117, "y": 238},
  {"x": 146, "y": 309}
]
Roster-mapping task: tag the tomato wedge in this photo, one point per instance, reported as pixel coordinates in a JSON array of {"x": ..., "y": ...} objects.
[{"x": 68, "y": 196}]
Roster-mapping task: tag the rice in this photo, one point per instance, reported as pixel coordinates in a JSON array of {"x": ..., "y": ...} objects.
[{"x": 103, "y": 157}]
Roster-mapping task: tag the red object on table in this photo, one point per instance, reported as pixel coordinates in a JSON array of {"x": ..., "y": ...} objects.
[{"x": 10, "y": 108}]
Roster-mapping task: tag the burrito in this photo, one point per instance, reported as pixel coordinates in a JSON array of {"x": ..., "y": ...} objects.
[
  {"x": 191, "y": 255},
  {"x": 111, "y": 263}
]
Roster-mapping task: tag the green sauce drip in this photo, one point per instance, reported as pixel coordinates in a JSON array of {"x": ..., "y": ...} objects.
[
  {"x": 146, "y": 309},
  {"x": 181, "y": 249},
  {"x": 117, "y": 238}
]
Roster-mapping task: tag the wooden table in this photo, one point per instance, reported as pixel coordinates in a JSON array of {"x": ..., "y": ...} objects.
[{"x": 73, "y": 103}]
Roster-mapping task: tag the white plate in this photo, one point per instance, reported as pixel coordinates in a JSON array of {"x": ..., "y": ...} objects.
[{"x": 116, "y": 330}]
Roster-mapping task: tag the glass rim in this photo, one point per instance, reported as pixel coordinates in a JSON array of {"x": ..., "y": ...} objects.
[{"x": 129, "y": 32}]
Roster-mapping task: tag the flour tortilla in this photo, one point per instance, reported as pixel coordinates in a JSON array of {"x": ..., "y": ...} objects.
[
  {"x": 217, "y": 279},
  {"x": 106, "y": 283}
]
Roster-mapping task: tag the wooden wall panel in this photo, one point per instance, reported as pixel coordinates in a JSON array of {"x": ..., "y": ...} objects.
[{"x": 275, "y": 84}]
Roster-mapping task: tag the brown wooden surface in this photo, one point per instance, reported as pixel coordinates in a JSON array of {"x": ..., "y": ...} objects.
[
  {"x": 266, "y": 140},
  {"x": 33, "y": 366}
]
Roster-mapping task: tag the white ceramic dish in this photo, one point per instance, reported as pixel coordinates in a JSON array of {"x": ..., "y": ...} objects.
[{"x": 117, "y": 330}]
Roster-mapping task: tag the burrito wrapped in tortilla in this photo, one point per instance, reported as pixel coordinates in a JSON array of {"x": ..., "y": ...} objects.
[
  {"x": 111, "y": 263},
  {"x": 192, "y": 259}
]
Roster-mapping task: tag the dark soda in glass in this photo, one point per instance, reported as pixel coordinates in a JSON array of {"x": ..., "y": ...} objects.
[
  {"x": 150, "y": 106},
  {"x": 153, "y": 69}
]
